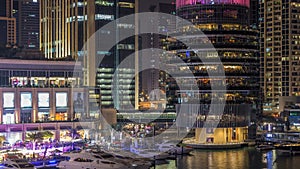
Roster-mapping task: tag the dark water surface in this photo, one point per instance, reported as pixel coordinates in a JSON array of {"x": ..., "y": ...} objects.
[{"x": 246, "y": 158}]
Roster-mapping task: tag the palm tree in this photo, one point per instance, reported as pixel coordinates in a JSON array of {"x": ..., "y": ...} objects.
[
  {"x": 34, "y": 137},
  {"x": 47, "y": 134},
  {"x": 73, "y": 133}
]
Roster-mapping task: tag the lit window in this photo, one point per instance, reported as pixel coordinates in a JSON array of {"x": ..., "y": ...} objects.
[
  {"x": 104, "y": 3},
  {"x": 104, "y": 17},
  {"x": 126, "y": 5}
]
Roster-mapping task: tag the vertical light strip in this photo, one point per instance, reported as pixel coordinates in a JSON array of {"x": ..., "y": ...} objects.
[
  {"x": 41, "y": 26},
  {"x": 136, "y": 41},
  {"x": 68, "y": 6},
  {"x": 63, "y": 24},
  {"x": 90, "y": 30},
  {"x": 59, "y": 31},
  {"x": 76, "y": 31},
  {"x": 72, "y": 30},
  {"x": 50, "y": 22},
  {"x": 56, "y": 27}
]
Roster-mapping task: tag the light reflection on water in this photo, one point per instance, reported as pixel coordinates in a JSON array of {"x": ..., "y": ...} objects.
[{"x": 247, "y": 158}]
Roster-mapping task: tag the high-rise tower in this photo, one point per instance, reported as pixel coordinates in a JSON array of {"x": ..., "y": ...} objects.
[
  {"x": 151, "y": 78},
  {"x": 226, "y": 24},
  {"x": 280, "y": 51},
  {"x": 66, "y": 27},
  {"x": 27, "y": 17},
  {"x": 7, "y": 23}
]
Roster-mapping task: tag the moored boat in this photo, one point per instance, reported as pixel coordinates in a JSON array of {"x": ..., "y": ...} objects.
[
  {"x": 150, "y": 153},
  {"x": 264, "y": 147},
  {"x": 175, "y": 149},
  {"x": 16, "y": 164},
  {"x": 288, "y": 148},
  {"x": 129, "y": 161},
  {"x": 87, "y": 160}
]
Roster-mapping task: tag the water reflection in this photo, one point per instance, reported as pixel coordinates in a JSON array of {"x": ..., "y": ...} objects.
[{"x": 247, "y": 158}]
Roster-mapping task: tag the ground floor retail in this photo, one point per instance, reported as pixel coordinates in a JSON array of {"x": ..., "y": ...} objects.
[
  {"x": 62, "y": 131},
  {"x": 221, "y": 135}
]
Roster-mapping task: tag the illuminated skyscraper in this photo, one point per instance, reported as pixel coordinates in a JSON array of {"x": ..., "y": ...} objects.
[
  {"x": 226, "y": 24},
  {"x": 7, "y": 23},
  {"x": 27, "y": 17},
  {"x": 280, "y": 51},
  {"x": 151, "y": 77},
  {"x": 67, "y": 25}
]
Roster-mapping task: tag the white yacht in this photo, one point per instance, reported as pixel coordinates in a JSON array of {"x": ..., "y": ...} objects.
[
  {"x": 16, "y": 164},
  {"x": 88, "y": 161},
  {"x": 172, "y": 147},
  {"x": 150, "y": 153},
  {"x": 129, "y": 161}
]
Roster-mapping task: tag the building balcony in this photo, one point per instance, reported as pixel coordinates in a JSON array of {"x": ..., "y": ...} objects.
[
  {"x": 209, "y": 87},
  {"x": 195, "y": 59},
  {"x": 236, "y": 45},
  {"x": 221, "y": 124},
  {"x": 217, "y": 32},
  {"x": 220, "y": 73}
]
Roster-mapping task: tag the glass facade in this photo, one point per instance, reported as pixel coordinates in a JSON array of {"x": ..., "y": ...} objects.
[
  {"x": 78, "y": 21},
  {"x": 105, "y": 82},
  {"x": 7, "y": 24},
  {"x": 227, "y": 28},
  {"x": 41, "y": 91},
  {"x": 27, "y": 17}
]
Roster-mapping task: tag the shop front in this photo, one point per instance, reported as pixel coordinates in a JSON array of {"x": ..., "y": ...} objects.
[
  {"x": 26, "y": 115},
  {"x": 8, "y": 116},
  {"x": 44, "y": 115},
  {"x": 61, "y": 114},
  {"x": 78, "y": 105}
]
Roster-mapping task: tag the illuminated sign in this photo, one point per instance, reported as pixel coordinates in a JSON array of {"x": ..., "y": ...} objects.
[
  {"x": 104, "y": 17},
  {"x": 43, "y": 100},
  {"x": 8, "y": 100},
  {"x": 26, "y": 100},
  {"x": 61, "y": 99}
]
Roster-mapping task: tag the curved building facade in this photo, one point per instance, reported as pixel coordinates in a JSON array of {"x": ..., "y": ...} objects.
[
  {"x": 226, "y": 25},
  {"x": 181, "y": 3}
]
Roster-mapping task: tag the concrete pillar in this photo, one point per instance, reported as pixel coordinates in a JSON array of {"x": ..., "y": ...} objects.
[{"x": 57, "y": 132}]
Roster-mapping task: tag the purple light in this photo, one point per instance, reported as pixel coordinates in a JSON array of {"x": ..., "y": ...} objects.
[{"x": 180, "y": 3}]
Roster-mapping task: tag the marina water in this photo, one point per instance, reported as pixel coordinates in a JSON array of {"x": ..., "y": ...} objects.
[{"x": 245, "y": 158}]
